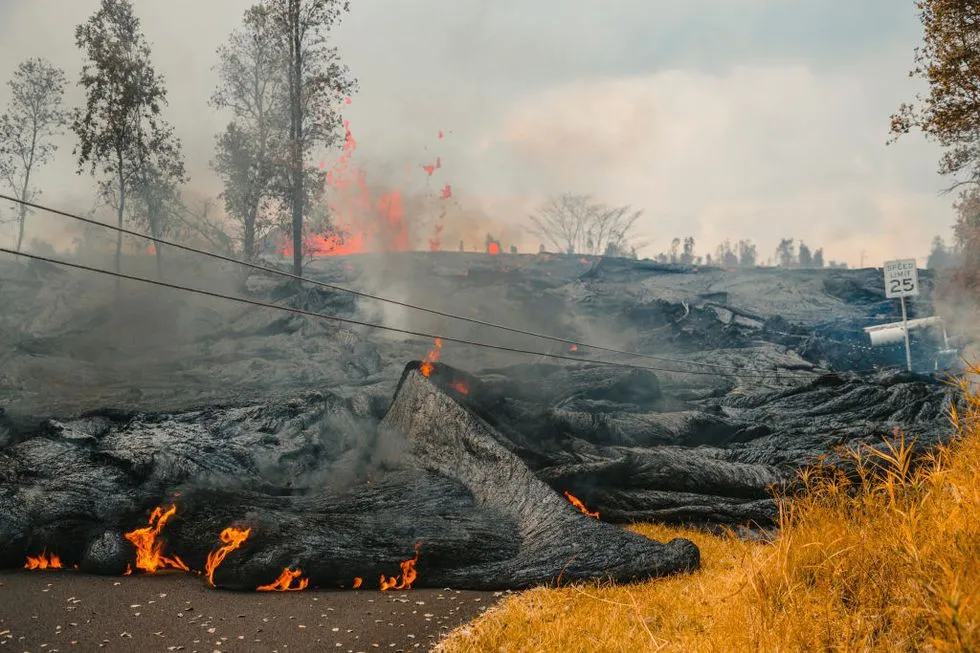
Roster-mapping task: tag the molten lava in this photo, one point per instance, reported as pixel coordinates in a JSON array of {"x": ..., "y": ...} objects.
[
  {"x": 43, "y": 561},
  {"x": 581, "y": 506},
  {"x": 361, "y": 220},
  {"x": 285, "y": 582},
  {"x": 149, "y": 550},
  {"x": 431, "y": 168},
  {"x": 407, "y": 578},
  {"x": 233, "y": 538},
  {"x": 426, "y": 367}
]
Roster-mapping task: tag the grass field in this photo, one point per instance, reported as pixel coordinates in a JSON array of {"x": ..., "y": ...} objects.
[{"x": 886, "y": 561}]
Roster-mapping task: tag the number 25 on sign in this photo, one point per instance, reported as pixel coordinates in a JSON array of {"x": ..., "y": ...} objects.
[{"x": 901, "y": 278}]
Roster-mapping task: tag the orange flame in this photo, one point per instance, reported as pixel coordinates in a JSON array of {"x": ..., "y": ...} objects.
[
  {"x": 43, "y": 561},
  {"x": 357, "y": 581},
  {"x": 285, "y": 581},
  {"x": 233, "y": 538},
  {"x": 149, "y": 551},
  {"x": 408, "y": 575},
  {"x": 460, "y": 387},
  {"x": 426, "y": 367},
  {"x": 573, "y": 348},
  {"x": 493, "y": 247},
  {"x": 581, "y": 506}
]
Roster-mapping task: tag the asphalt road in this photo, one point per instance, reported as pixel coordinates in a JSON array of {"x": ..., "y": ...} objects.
[{"x": 50, "y": 611}]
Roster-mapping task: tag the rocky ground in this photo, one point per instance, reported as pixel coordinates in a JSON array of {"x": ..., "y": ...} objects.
[{"x": 739, "y": 377}]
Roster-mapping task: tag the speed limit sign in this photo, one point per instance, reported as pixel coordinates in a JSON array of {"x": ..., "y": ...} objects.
[{"x": 901, "y": 278}]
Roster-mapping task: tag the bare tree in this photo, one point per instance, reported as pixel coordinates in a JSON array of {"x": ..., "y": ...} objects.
[
  {"x": 746, "y": 254},
  {"x": 249, "y": 153},
  {"x": 120, "y": 131},
  {"x": 786, "y": 253},
  {"x": 317, "y": 82},
  {"x": 578, "y": 224},
  {"x": 34, "y": 116},
  {"x": 687, "y": 257},
  {"x": 805, "y": 257}
]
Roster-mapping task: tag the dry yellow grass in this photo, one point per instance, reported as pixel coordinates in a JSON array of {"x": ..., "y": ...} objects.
[{"x": 887, "y": 562}]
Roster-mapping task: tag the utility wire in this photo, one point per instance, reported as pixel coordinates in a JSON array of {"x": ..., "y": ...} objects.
[
  {"x": 420, "y": 334},
  {"x": 358, "y": 293}
]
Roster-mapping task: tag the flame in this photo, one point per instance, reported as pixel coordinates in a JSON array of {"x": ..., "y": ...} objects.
[
  {"x": 573, "y": 348},
  {"x": 581, "y": 506},
  {"x": 460, "y": 387},
  {"x": 493, "y": 247},
  {"x": 233, "y": 538},
  {"x": 426, "y": 367},
  {"x": 447, "y": 192},
  {"x": 149, "y": 551},
  {"x": 408, "y": 575},
  {"x": 357, "y": 581},
  {"x": 43, "y": 561},
  {"x": 285, "y": 581}
]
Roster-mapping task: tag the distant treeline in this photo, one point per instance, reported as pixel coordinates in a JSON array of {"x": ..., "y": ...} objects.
[{"x": 745, "y": 254}]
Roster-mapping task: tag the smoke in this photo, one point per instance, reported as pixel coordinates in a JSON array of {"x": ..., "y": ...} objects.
[{"x": 708, "y": 141}]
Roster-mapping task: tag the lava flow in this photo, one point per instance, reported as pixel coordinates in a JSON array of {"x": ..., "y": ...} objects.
[
  {"x": 285, "y": 582},
  {"x": 581, "y": 506},
  {"x": 426, "y": 367},
  {"x": 233, "y": 538},
  {"x": 43, "y": 561},
  {"x": 407, "y": 578},
  {"x": 149, "y": 551}
]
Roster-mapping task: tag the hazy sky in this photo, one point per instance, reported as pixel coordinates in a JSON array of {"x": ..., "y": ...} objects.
[{"x": 720, "y": 118}]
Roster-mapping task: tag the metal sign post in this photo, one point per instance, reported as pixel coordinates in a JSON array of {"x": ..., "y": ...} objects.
[{"x": 902, "y": 280}]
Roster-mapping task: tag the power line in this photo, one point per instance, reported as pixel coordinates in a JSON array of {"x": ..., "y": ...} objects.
[
  {"x": 358, "y": 293},
  {"x": 420, "y": 334}
]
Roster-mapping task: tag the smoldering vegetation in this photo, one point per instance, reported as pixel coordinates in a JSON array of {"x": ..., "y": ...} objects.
[{"x": 340, "y": 459}]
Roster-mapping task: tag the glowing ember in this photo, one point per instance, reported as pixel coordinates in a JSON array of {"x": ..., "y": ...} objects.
[
  {"x": 407, "y": 578},
  {"x": 233, "y": 538},
  {"x": 149, "y": 550},
  {"x": 429, "y": 169},
  {"x": 460, "y": 387},
  {"x": 43, "y": 561},
  {"x": 426, "y": 367},
  {"x": 357, "y": 581},
  {"x": 493, "y": 247},
  {"x": 435, "y": 242},
  {"x": 578, "y": 504},
  {"x": 285, "y": 582}
]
